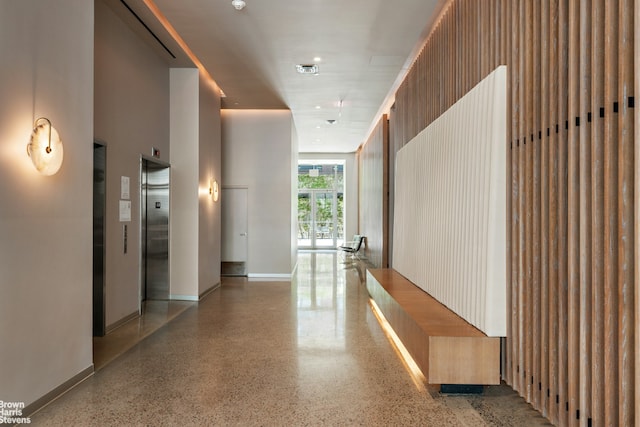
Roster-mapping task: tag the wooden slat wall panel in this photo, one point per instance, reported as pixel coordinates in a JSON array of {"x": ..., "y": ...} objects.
[
  {"x": 516, "y": 222},
  {"x": 536, "y": 207},
  {"x": 636, "y": 92},
  {"x": 610, "y": 215},
  {"x": 552, "y": 390},
  {"x": 597, "y": 206},
  {"x": 573, "y": 229},
  {"x": 553, "y": 354},
  {"x": 503, "y": 46},
  {"x": 522, "y": 314},
  {"x": 562, "y": 219},
  {"x": 543, "y": 135},
  {"x": 583, "y": 124},
  {"x": 572, "y": 345},
  {"x": 373, "y": 194},
  {"x": 626, "y": 290}
]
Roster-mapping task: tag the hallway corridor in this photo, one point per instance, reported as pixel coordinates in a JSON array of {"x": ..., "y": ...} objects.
[{"x": 275, "y": 353}]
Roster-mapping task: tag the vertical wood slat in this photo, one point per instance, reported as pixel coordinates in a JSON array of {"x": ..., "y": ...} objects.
[
  {"x": 472, "y": 39},
  {"x": 636, "y": 92},
  {"x": 524, "y": 227},
  {"x": 459, "y": 52},
  {"x": 428, "y": 82},
  {"x": 543, "y": 377},
  {"x": 470, "y": 47},
  {"x": 528, "y": 210},
  {"x": 464, "y": 16},
  {"x": 553, "y": 212},
  {"x": 503, "y": 46},
  {"x": 625, "y": 216},
  {"x": 483, "y": 47},
  {"x": 584, "y": 172},
  {"x": 563, "y": 285},
  {"x": 597, "y": 203},
  {"x": 574, "y": 214},
  {"x": 513, "y": 338},
  {"x": 490, "y": 37},
  {"x": 521, "y": 205},
  {"x": 512, "y": 335},
  {"x": 536, "y": 264},
  {"x": 610, "y": 214}
]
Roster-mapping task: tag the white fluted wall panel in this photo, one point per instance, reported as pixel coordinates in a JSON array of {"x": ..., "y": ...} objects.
[{"x": 450, "y": 207}]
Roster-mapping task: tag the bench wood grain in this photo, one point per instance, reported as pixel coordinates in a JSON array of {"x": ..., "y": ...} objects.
[{"x": 447, "y": 348}]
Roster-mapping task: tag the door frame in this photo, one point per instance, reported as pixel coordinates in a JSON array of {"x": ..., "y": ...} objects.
[
  {"x": 99, "y": 312},
  {"x": 223, "y": 239}
]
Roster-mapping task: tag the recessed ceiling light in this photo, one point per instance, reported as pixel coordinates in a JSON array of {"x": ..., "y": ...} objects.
[
  {"x": 307, "y": 68},
  {"x": 318, "y": 107},
  {"x": 317, "y": 59}
]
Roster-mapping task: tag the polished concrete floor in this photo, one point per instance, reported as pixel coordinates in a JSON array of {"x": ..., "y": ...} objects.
[
  {"x": 270, "y": 353},
  {"x": 155, "y": 314}
]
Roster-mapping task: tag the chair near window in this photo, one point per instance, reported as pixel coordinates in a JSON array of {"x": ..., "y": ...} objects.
[
  {"x": 352, "y": 248},
  {"x": 323, "y": 231}
]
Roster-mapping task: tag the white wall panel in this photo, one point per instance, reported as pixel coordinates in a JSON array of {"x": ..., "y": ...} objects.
[
  {"x": 450, "y": 207},
  {"x": 258, "y": 153}
]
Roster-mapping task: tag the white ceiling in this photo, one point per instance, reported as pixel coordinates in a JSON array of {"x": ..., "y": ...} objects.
[{"x": 365, "y": 47}]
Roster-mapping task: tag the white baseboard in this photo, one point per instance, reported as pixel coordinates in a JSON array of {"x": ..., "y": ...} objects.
[
  {"x": 269, "y": 276},
  {"x": 195, "y": 298}
]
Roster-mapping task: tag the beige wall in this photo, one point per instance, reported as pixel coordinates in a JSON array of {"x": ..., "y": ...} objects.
[
  {"x": 210, "y": 162},
  {"x": 294, "y": 196},
  {"x": 45, "y": 222},
  {"x": 131, "y": 117},
  {"x": 195, "y": 160},
  {"x": 258, "y": 152},
  {"x": 184, "y": 173}
]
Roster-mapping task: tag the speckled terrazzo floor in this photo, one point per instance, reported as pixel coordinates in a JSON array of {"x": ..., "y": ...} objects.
[
  {"x": 156, "y": 314},
  {"x": 265, "y": 353}
]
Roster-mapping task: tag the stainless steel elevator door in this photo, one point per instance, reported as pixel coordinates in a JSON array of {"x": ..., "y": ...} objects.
[{"x": 155, "y": 180}]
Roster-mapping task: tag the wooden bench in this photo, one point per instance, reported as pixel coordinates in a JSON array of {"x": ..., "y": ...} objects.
[{"x": 447, "y": 348}]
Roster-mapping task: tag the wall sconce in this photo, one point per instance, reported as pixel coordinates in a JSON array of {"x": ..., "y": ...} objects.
[
  {"x": 214, "y": 190},
  {"x": 238, "y": 4},
  {"x": 45, "y": 148}
]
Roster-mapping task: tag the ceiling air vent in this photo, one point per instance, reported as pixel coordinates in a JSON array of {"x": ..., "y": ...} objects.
[{"x": 307, "y": 68}]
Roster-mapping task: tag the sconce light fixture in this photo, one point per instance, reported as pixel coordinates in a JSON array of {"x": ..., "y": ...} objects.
[
  {"x": 45, "y": 147},
  {"x": 214, "y": 190},
  {"x": 238, "y": 4}
]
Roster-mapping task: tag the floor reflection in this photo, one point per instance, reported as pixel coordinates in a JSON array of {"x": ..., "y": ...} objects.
[
  {"x": 320, "y": 301},
  {"x": 256, "y": 352}
]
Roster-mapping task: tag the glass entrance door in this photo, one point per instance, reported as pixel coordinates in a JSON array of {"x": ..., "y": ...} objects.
[
  {"x": 320, "y": 204},
  {"x": 319, "y": 224},
  {"x": 325, "y": 219},
  {"x": 305, "y": 219}
]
